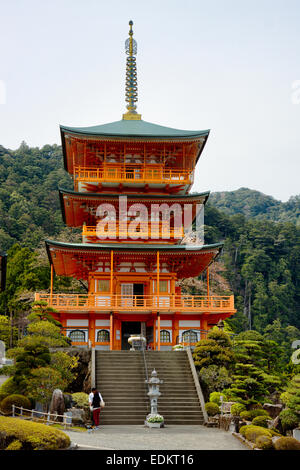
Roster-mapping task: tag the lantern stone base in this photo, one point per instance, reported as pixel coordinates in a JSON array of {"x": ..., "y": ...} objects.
[{"x": 154, "y": 425}]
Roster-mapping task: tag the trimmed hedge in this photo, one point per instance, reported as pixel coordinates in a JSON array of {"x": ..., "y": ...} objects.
[
  {"x": 264, "y": 442},
  {"x": 288, "y": 419},
  {"x": 212, "y": 408},
  {"x": 18, "y": 400},
  {"x": 260, "y": 421},
  {"x": 237, "y": 408},
  {"x": 215, "y": 397},
  {"x": 287, "y": 443},
  {"x": 80, "y": 399},
  {"x": 251, "y": 433},
  {"x": 33, "y": 436},
  {"x": 249, "y": 415},
  {"x": 14, "y": 445}
]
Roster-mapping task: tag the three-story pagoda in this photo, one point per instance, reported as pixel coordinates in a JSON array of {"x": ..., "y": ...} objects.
[{"x": 132, "y": 182}]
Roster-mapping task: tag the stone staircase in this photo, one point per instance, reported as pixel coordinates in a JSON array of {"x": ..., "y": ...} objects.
[{"x": 120, "y": 377}]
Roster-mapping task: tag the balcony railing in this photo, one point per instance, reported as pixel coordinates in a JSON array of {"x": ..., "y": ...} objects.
[
  {"x": 134, "y": 174},
  {"x": 163, "y": 302},
  {"x": 154, "y": 232}
]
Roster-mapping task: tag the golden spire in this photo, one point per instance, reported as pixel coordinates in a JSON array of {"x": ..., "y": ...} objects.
[{"x": 131, "y": 77}]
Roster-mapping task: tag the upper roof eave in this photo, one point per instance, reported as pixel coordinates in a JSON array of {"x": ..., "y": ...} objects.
[{"x": 134, "y": 129}]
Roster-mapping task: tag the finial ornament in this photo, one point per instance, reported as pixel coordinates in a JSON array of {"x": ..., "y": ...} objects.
[{"x": 131, "y": 77}]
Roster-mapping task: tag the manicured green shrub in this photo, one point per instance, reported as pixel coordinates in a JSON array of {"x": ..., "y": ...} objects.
[
  {"x": 264, "y": 442},
  {"x": 288, "y": 419},
  {"x": 18, "y": 400},
  {"x": 212, "y": 408},
  {"x": 287, "y": 443},
  {"x": 33, "y": 436},
  {"x": 8, "y": 388},
  {"x": 251, "y": 433},
  {"x": 250, "y": 414},
  {"x": 14, "y": 445},
  {"x": 215, "y": 397},
  {"x": 237, "y": 408},
  {"x": 260, "y": 421},
  {"x": 80, "y": 399}
]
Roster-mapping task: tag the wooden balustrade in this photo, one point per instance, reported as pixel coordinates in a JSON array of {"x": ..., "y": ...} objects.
[
  {"x": 163, "y": 302},
  {"x": 134, "y": 174},
  {"x": 155, "y": 232}
]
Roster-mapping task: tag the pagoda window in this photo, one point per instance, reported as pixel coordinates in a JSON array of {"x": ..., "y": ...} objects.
[
  {"x": 103, "y": 285},
  {"x": 77, "y": 336},
  {"x": 163, "y": 287},
  {"x": 103, "y": 336},
  {"x": 165, "y": 336},
  {"x": 190, "y": 336}
]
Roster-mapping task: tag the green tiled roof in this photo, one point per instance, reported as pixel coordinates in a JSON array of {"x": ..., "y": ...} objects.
[{"x": 138, "y": 128}]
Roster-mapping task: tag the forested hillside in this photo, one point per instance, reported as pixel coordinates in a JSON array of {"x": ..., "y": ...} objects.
[
  {"x": 260, "y": 262},
  {"x": 257, "y": 205}
]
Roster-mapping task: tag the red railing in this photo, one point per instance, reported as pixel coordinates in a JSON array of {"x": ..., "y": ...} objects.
[{"x": 163, "y": 302}]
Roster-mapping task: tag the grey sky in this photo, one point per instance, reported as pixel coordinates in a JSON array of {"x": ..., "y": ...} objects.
[{"x": 226, "y": 65}]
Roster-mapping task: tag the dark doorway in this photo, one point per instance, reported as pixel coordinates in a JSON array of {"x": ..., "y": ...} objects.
[
  {"x": 129, "y": 328},
  {"x": 138, "y": 291}
]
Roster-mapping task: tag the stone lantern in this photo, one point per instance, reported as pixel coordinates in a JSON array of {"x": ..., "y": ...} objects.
[{"x": 154, "y": 419}]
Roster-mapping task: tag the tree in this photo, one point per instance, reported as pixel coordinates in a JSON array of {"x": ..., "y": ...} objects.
[
  {"x": 252, "y": 381},
  {"x": 44, "y": 380}
]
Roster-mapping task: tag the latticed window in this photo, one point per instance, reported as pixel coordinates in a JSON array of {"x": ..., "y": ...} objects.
[
  {"x": 190, "y": 336},
  {"x": 165, "y": 336},
  {"x": 103, "y": 285},
  {"x": 77, "y": 335},
  {"x": 103, "y": 336}
]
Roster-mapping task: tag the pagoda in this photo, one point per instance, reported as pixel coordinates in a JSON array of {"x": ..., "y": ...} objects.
[{"x": 132, "y": 182}]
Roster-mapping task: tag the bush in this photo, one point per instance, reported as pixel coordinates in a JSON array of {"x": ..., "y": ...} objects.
[
  {"x": 260, "y": 421},
  {"x": 8, "y": 388},
  {"x": 287, "y": 443},
  {"x": 249, "y": 415},
  {"x": 237, "y": 408},
  {"x": 288, "y": 419},
  {"x": 215, "y": 397},
  {"x": 14, "y": 445},
  {"x": 80, "y": 399},
  {"x": 264, "y": 442},
  {"x": 33, "y": 436},
  {"x": 251, "y": 432},
  {"x": 18, "y": 400},
  {"x": 212, "y": 408}
]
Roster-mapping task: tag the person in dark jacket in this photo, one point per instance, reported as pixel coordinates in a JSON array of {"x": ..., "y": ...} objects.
[{"x": 95, "y": 399}]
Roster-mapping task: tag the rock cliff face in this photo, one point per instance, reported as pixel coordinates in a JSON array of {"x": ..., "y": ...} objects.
[{"x": 82, "y": 374}]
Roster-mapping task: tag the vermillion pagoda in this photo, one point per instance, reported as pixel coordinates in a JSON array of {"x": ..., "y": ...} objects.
[{"x": 132, "y": 262}]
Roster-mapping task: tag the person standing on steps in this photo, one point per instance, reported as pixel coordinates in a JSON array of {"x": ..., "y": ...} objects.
[{"x": 96, "y": 402}]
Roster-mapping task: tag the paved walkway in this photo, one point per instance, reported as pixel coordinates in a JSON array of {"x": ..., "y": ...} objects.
[{"x": 168, "y": 438}]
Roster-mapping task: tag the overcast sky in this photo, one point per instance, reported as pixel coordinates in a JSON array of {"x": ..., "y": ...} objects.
[{"x": 225, "y": 65}]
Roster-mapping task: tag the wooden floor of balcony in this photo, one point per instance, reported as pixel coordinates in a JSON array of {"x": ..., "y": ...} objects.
[{"x": 141, "y": 303}]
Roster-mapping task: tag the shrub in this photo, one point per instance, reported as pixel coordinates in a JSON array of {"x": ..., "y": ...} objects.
[
  {"x": 237, "y": 408},
  {"x": 215, "y": 397},
  {"x": 14, "y": 445},
  {"x": 287, "y": 443},
  {"x": 251, "y": 432},
  {"x": 212, "y": 409},
  {"x": 80, "y": 399},
  {"x": 33, "y": 436},
  {"x": 18, "y": 400},
  {"x": 249, "y": 415},
  {"x": 288, "y": 419},
  {"x": 260, "y": 421},
  {"x": 264, "y": 442},
  {"x": 8, "y": 388}
]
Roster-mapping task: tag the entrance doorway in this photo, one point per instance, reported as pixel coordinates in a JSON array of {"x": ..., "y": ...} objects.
[{"x": 129, "y": 328}]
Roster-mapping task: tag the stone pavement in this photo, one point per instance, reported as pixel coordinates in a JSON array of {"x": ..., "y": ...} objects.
[{"x": 168, "y": 438}]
